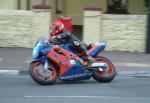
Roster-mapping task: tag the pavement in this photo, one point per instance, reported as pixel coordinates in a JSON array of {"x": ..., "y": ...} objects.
[{"x": 16, "y": 61}]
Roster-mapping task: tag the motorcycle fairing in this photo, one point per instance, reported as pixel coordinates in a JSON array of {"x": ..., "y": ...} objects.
[
  {"x": 62, "y": 57},
  {"x": 68, "y": 48},
  {"x": 75, "y": 73},
  {"x": 45, "y": 50},
  {"x": 43, "y": 59}
]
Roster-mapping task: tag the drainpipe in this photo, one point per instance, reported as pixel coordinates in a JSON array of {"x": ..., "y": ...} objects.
[
  {"x": 148, "y": 30},
  {"x": 28, "y": 4}
]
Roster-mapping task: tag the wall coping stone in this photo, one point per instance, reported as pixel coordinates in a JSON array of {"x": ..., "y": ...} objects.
[
  {"x": 41, "y": 6},
  {"x": 93, "y": 8},
  {"x": 15, "y": 13},
  {"x": 41, "y": 10}
]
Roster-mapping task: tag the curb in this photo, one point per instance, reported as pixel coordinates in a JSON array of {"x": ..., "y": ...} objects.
[
  {"x": 130, "y": 73},
  {"x": 23, "y": 72},
  {"x": 121, "y": 73},
  {"x": 13, "y": 72},
  {"x": 138, "y": 65}
]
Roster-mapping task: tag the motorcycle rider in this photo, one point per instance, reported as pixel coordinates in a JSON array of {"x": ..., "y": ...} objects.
[{"x": 59, "y": 35}]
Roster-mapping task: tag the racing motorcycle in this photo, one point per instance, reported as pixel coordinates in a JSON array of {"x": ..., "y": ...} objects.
[{"x": 52, "y": 62}]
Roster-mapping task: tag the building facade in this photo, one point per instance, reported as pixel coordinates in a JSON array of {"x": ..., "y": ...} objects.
[
  {"x": 73, "y": 8},
  {"x": 120, "y": 23}
]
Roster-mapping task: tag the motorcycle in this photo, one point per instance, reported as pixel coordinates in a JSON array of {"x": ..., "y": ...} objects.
[{"x": 52, "y": 62}]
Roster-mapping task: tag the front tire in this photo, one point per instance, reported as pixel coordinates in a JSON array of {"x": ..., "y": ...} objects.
[
  {"x": 108, "y": 74},
  {"x": 42, "y": 76}
]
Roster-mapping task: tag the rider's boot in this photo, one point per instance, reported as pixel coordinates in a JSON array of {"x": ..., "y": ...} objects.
[{"x": 88, "y": 60}]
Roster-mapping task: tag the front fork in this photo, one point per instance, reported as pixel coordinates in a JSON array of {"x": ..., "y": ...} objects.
[
  {"x": 45, "y": 70},
  {"x": 44, "y": 60}
]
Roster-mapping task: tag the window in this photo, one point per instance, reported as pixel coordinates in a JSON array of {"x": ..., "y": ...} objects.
[{"x": 117, "y": 6}]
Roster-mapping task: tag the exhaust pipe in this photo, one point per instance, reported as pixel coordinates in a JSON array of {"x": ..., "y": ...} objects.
[{"x": 98, "y": 65}]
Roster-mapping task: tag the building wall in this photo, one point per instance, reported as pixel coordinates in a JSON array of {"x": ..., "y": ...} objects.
[
  {"x": 12, "y": 4},
  {"x": 8, "y": 4},
  {"x": 136, "y": 7},
  {"x": 75, "y": 8}
]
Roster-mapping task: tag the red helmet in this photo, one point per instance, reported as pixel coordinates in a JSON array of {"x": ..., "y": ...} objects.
[{"x": 56, "y": 28}]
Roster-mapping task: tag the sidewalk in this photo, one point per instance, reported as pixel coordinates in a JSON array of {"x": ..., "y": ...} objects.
[
  {"x": 18, "y": 59},
  {"x": 127, "y": 60}
]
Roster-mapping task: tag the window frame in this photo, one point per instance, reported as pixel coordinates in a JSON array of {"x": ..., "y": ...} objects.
[{"x": 117, "y": 10}]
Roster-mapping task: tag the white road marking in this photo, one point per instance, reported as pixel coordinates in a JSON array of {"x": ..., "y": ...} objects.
[
  {"x": 132, "y": 64},
  {"x": 134, "y": 73},
  {"x": 14, "y": 76},
  {"x": 9, "y": 72},
  {"x": 105, "y": 97}
]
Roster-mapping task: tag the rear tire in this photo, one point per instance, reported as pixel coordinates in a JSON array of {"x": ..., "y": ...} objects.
[
  {"x": 37, "y": 73},
  {"x": 104, "y": 76}
]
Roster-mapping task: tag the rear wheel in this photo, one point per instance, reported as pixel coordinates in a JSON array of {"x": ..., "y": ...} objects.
[
  {"x": 106, "y": 74},
  {"x": 41, "y": 75}
]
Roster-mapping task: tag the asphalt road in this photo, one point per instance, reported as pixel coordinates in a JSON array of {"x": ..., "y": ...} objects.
[
  {"x": 131, "y": 86},
  {"x": 21, "y": 89}
]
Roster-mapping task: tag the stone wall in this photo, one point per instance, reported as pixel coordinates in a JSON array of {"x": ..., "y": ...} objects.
[
  {"x": 15, "y": 28},
  {"x": 124, "y": 32},
  {"x": 20, "y": 28},
  {"x": 120, "y": 32}
]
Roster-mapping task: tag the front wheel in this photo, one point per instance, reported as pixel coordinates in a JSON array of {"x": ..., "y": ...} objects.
[
  {"x": 107, "y": 74},
  {"x": 41, "y": 75}
]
